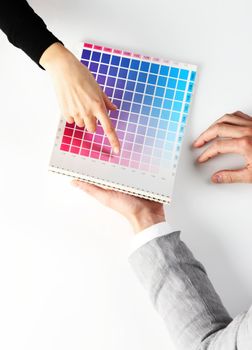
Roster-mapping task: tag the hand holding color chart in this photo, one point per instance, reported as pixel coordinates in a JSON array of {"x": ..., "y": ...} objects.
[{"x": 153, "y": 97}]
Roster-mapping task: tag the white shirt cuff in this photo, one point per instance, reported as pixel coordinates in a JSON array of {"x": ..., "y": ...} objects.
[{"x": 150, "y": 233}]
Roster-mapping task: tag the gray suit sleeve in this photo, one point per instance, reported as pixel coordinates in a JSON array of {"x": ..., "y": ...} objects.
[{"x": 184, "y": 297}]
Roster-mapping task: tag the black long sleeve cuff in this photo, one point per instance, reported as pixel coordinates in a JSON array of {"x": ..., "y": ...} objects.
[{"x": 25, "y": 29}]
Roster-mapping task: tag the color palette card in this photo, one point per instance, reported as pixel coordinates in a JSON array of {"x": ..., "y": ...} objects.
[{"x": 153, "y": 97}]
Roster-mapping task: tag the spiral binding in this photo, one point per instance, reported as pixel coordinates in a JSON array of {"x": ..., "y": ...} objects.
[{"x": 95, "y": 181}]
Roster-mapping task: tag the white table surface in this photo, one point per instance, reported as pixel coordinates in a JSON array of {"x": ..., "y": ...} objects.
[{"x": 65, "y": 279}]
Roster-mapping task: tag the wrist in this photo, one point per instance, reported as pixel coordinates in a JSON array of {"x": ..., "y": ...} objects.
[
  {"x": 54, "y": 54},
  {"x": 145, "y": 219}
]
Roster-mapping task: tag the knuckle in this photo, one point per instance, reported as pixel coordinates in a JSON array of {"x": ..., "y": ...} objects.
[
  {"x": 109, "y": 129},
  {"x": 228, "y": 178},
  {"x": 244, "y": 131},
  {"x": 217, "y": 144},
  {"x": 217, "y": 128},
  {"x": 224, "y": 117},
  {"x": 248, "y": 131},
  {"x": 245, "y": 142},
  {"x": 99, "y": 104}
]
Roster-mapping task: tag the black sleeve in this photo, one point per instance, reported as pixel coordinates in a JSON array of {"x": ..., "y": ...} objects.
[{"x": 24, "y": 28}]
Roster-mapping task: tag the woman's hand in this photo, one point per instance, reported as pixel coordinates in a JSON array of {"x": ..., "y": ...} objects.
[
  {"x": 81, "y": 100},
  {"x": 230, "y": 134}
]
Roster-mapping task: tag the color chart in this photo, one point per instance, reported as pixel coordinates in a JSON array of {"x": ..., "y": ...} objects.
[{"x": 153, "y": 98}]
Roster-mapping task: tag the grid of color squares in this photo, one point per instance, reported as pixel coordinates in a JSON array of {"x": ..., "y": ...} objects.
[{"x": 153, "y": 98}]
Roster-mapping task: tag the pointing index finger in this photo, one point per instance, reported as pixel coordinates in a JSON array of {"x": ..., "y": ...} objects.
[{"x": 109, "y": 131}]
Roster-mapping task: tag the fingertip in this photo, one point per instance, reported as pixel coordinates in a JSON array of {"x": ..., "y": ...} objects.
[
  {"x": 70, "y": 120},
  {"x": 200, "y": 159},
  {"x": 80, "y": 124},
  {"x": 113, "y": 106},
  {"x": 198, "y": 143},
  {"x": 217, "y": 178},
  {"x": 92, "y": 129},
  {"x": 116, "y": 149}
]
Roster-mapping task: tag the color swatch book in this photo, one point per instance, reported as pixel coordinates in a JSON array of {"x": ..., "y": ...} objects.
[{"x": 153, "y": 97}]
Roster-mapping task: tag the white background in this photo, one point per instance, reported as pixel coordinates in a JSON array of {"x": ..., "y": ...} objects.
[{"x": 64, "y": 275}]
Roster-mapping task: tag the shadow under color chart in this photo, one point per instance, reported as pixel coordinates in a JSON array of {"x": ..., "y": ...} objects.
[
  {"x": 153, "y": 98},
  {"x": 153, "y": 102}
]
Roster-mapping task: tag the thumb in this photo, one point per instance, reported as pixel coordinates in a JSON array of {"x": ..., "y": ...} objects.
[
  {"x": 109, "y": 105},
  {"x": 233, "y": 176}
]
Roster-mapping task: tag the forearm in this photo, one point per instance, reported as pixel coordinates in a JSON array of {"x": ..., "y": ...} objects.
[
  {"x": 25, "y": 29},
  {"x": 180, "y": 291}
]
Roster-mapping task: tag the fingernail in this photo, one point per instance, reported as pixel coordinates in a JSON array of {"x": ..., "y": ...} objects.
[
  {"x": 217, "y": 178},
  {"x": 116, "y": 149}
]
